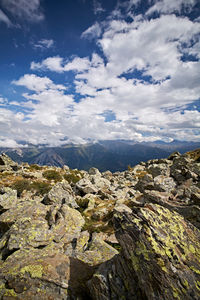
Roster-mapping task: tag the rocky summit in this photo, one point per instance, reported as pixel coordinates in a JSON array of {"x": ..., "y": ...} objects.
[{"x": 70, "y": 234}]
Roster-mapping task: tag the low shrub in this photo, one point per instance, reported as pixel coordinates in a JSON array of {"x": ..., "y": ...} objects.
[
  {"x": 35, "y": 167},
  {"x": 21, "y": 185},
  {"x": 40, "y": 187},
  {"x": 73, "y": 176},
  {"x": 52, "y": 175}
]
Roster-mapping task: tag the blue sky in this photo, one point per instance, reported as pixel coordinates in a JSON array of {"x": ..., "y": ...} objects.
[{"x": 73, "y": 71}]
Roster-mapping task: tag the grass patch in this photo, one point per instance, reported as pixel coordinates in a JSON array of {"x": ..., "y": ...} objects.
[
  {"x": 40, "y": 187},
  {"x": 21, "y": 185},
  {"x": 130, "y": 169},
  {"x": 98, "y": 226},
  {"x": 35, "y": 167},
  {"x": 194, "y": 155},
  {"x": 140, "y": 174},
  {"x": 52, "y": 175}
]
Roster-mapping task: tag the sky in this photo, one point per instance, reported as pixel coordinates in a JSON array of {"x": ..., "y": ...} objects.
[{"x": 73, "y": 71}]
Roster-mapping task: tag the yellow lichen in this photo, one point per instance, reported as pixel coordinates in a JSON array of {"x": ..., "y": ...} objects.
[
  {"x": 161, "y": 263},
  {"x": 195, "y": 270},
  {"x": 10, "y": 293},
  {"x": 141, "y": 249},
  {"x": 135, "y": 262},
  {"x": 197, "y": 284},
  {"x": 36, "y": 271}
]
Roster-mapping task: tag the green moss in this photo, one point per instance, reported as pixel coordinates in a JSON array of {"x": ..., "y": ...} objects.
[{"x": 52, "y": 175}]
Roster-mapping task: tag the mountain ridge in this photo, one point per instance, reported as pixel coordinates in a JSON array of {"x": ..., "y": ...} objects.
[{"x": 104, "y": 155}]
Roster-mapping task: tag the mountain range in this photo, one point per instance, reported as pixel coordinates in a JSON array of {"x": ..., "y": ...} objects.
[{"x": 104, "y": 155}]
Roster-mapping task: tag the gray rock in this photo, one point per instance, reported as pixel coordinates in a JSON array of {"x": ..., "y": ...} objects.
[
  {"x": 60, "y": 193},
  {"x": 159, "y": 169},
  {"x": 163, "y": 183},
  {"x": 8, "y": 198},
  {"x": 94, "y": 171},
  {"x": 86, "y": 187}
]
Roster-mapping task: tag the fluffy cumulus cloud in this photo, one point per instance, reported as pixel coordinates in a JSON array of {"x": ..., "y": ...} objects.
[
  {"x": 38, "y": 84},
  {"x": 57, "y": 64},
  {"x": 142, "y": 85}
]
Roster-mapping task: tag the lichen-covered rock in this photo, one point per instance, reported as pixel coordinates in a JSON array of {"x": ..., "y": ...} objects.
[
  {"x": 8, "y": 198},
  {"x": 65, "y": 223},
  {"x": 164, "y": 184},
  {"x": 160, "y": 254},
  {"x": 60, "y": 193},
  {"x": 86, "y": 187},
  {"x": 48, "y": 248},
  {"x": 145, "y": 183},
  {"x": 159, "y": 169},
  {"x": 35, "y": 274},
  {"x": 94, "y": 171},
  {"x": 97, "y": 252},
  {"x": 6, "y": 163}
]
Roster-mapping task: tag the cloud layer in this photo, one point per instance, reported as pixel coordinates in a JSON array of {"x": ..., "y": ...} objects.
[
  {"x": 21, "y": 10},
  {"x": 143, "y": 84}
]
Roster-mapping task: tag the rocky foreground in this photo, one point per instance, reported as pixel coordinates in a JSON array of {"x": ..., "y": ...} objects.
[{"x": 69, "y": 234}]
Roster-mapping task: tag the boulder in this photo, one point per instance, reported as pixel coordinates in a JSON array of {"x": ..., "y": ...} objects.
[
  {"x": 145, "y": 183},
  {"x": 7, "y": 164},
  {"x": 94, "y": 171},
  {"x": 160, "y": 257},
  {"x": 96, "y": 252},
  {"x": 164, "y": 183},
  {"x": 86, "y": 187},
  {"x": 35, "y": 274},
  {"x": 159, "y": 169},
  {"x": 60, "y": 193},
  {"x": 8, "y": 198}
]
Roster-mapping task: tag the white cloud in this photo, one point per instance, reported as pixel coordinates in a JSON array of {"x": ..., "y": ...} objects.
[
  {"x": 97, "y": 7},
  {"x": 5, "y": 19},
  {"x": 57, "y": 64},
  {"x": 170, "y": 6},
  {"x": 23, "y": 9},
  {"x": 143, "y": 81},
  {"x": 10, "y": 143},
  {"x": 44, "y": 44},
  {"x": 3, "y": 100},
  {"x": 51, "y": 63},
  {"x": 77, "y": 64},
  {"x": 148, "y": 45},
  {"x": 51, "y": 108},
  {"x": 38, "y": 84},
  {"x": 92, "y": 32}
]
